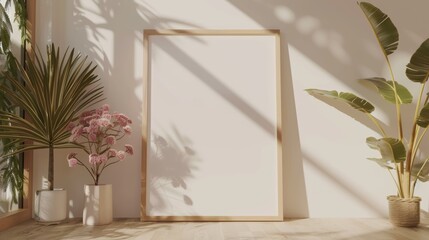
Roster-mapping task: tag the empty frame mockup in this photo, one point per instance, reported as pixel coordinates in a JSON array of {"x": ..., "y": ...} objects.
[{"x": 212, "y": 126}]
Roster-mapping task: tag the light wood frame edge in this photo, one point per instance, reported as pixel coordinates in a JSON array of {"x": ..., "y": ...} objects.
[
  {"x": 21, "y": 215},
  {"x": 202, "y": 32}
]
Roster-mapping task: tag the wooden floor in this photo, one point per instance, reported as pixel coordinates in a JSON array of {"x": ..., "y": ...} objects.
[{"x": 308, "y": 229}]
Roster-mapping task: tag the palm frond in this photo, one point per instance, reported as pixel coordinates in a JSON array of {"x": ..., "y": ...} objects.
[{"x": 52, "y": 91}]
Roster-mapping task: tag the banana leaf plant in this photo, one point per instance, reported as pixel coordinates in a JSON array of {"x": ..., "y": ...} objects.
[
  {"x": 398, "y": 154},
  {"x": 52, "y": 91}
]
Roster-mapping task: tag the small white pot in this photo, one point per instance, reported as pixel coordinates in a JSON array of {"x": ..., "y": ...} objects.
[
  {"x": 50, "y": 205},
  {"x": 98, "y": 208}
]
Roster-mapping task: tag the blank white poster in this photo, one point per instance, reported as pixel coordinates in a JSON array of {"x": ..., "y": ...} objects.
[{"x": 212, "y": 147}]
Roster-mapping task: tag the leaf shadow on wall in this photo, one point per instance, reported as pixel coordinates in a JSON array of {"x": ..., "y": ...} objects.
[
  {"x": 171, "y": 164},
  {"x": 238, "y": 103},
  {"x": 111, "y": 34},
  {"x": 343, "y": 45},
  {"x": 124, "y": 36}
]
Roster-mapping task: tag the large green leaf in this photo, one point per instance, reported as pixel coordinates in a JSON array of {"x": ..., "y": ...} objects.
[
  {"x": 349, "y": 98},
  {"x": 423, "y": 118},
  {"x": 391, "y": 149},
  {"x": 382, "y": 162},
  {"x": 384, "y": 29},
  {"x": 387, "y": 90},
  {"x": 418, "y": 68},
  {"x": 420, "y": 170}
]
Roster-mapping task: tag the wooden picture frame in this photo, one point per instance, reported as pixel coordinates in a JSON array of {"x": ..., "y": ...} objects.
[{"x": 184, "y": 83}]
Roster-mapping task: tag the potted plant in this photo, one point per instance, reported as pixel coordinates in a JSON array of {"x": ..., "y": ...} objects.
[
  {"x": 398, "y": 154},
  {"x": 51, "y": 91},
  {"x": 97, "y": 132}
]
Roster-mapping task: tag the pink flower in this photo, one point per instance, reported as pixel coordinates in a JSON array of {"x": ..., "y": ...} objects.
[
  {"x": 86, "y": 114},
  {"x": 127, "y": 129},
  {"x": 97, "y": 131},
  {"x": 93, "y": 158},
  {"x": 106, "y": 116},
  {"x": 111, "y": 153},
  {"x": 92, "y": 137},
  {"x": 85, "y": 130},
  {"x": 121, "y": 119},
  {"x": 93, "y": 122},
  {"x": 99, "y": 111},
  {"x": 129, "y": 149},
  {"x": 89, "y": 119},
  {"x": 76, "y": 132},
  {"x": 72, "y": 162},
  {"x": 101, "y": 159},
  {"x": 105, "y": 107},
  {"x": 70, "y": 126},
  {"x": 103, "y": 122},
  {"x": 120, "y": 155},
  {"x": 110, "y": 140},
  {"x": 93, "y": 129}
]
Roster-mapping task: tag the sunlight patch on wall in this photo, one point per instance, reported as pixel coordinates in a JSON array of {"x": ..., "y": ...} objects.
[
  {"x": 284, "y": 14},
  {"x": 71, "y": 215},
  {"x": 315, "y": 76},
  {"x": 307, "y": 24},
  {"x": 333, "y": 41},
  {"x": 138, "y": 65}
]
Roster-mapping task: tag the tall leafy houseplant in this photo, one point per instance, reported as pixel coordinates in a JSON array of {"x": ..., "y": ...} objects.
[
  {"x": 51, "y": 91},
  {"x": 11, "y": 167},
  {"x": 398, "y": 154}
]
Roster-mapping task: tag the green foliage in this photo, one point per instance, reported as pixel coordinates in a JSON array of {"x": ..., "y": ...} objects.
[
  {"x": 11, "y": 171},
  {"x": 5, "y": 30},
  {"x": 418, "y": 68},
  {"x": 394, "y": 154},
  {"x": 423, "y": 119},
  {"x": 20, "y": 17},
  {"x": 391, "y": 149},
  {"x": 387, "y": 90},
  {"x": 51, "y": 92},
  {"x": 354, "y": 101},
  {"x": 11, "y": 176},
  {"x": 384, "y": 29}
]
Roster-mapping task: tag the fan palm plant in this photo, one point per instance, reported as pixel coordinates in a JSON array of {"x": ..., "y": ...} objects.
[
  {"x": 51, "y": 91},
  {"x": 398, "y": 154}
]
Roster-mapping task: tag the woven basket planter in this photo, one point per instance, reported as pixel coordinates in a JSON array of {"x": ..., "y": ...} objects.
[{"x": 404, "y": 212}]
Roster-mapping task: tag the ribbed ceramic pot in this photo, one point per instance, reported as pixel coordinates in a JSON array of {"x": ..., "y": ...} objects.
[
  {"x": 404, "y": 212},
  {"x": 98, "y": 208}
]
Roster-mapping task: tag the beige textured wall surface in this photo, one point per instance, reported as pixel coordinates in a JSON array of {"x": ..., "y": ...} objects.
[{"x": 326, "y": 44}]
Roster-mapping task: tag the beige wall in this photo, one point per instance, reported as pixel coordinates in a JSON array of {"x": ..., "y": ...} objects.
[{"x": 329, "y": 45}]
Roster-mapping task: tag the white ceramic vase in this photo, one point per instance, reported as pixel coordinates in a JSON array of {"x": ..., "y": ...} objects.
[
  {"x": 98, "y": 208},
  {"x": 50, "y": 205}
]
